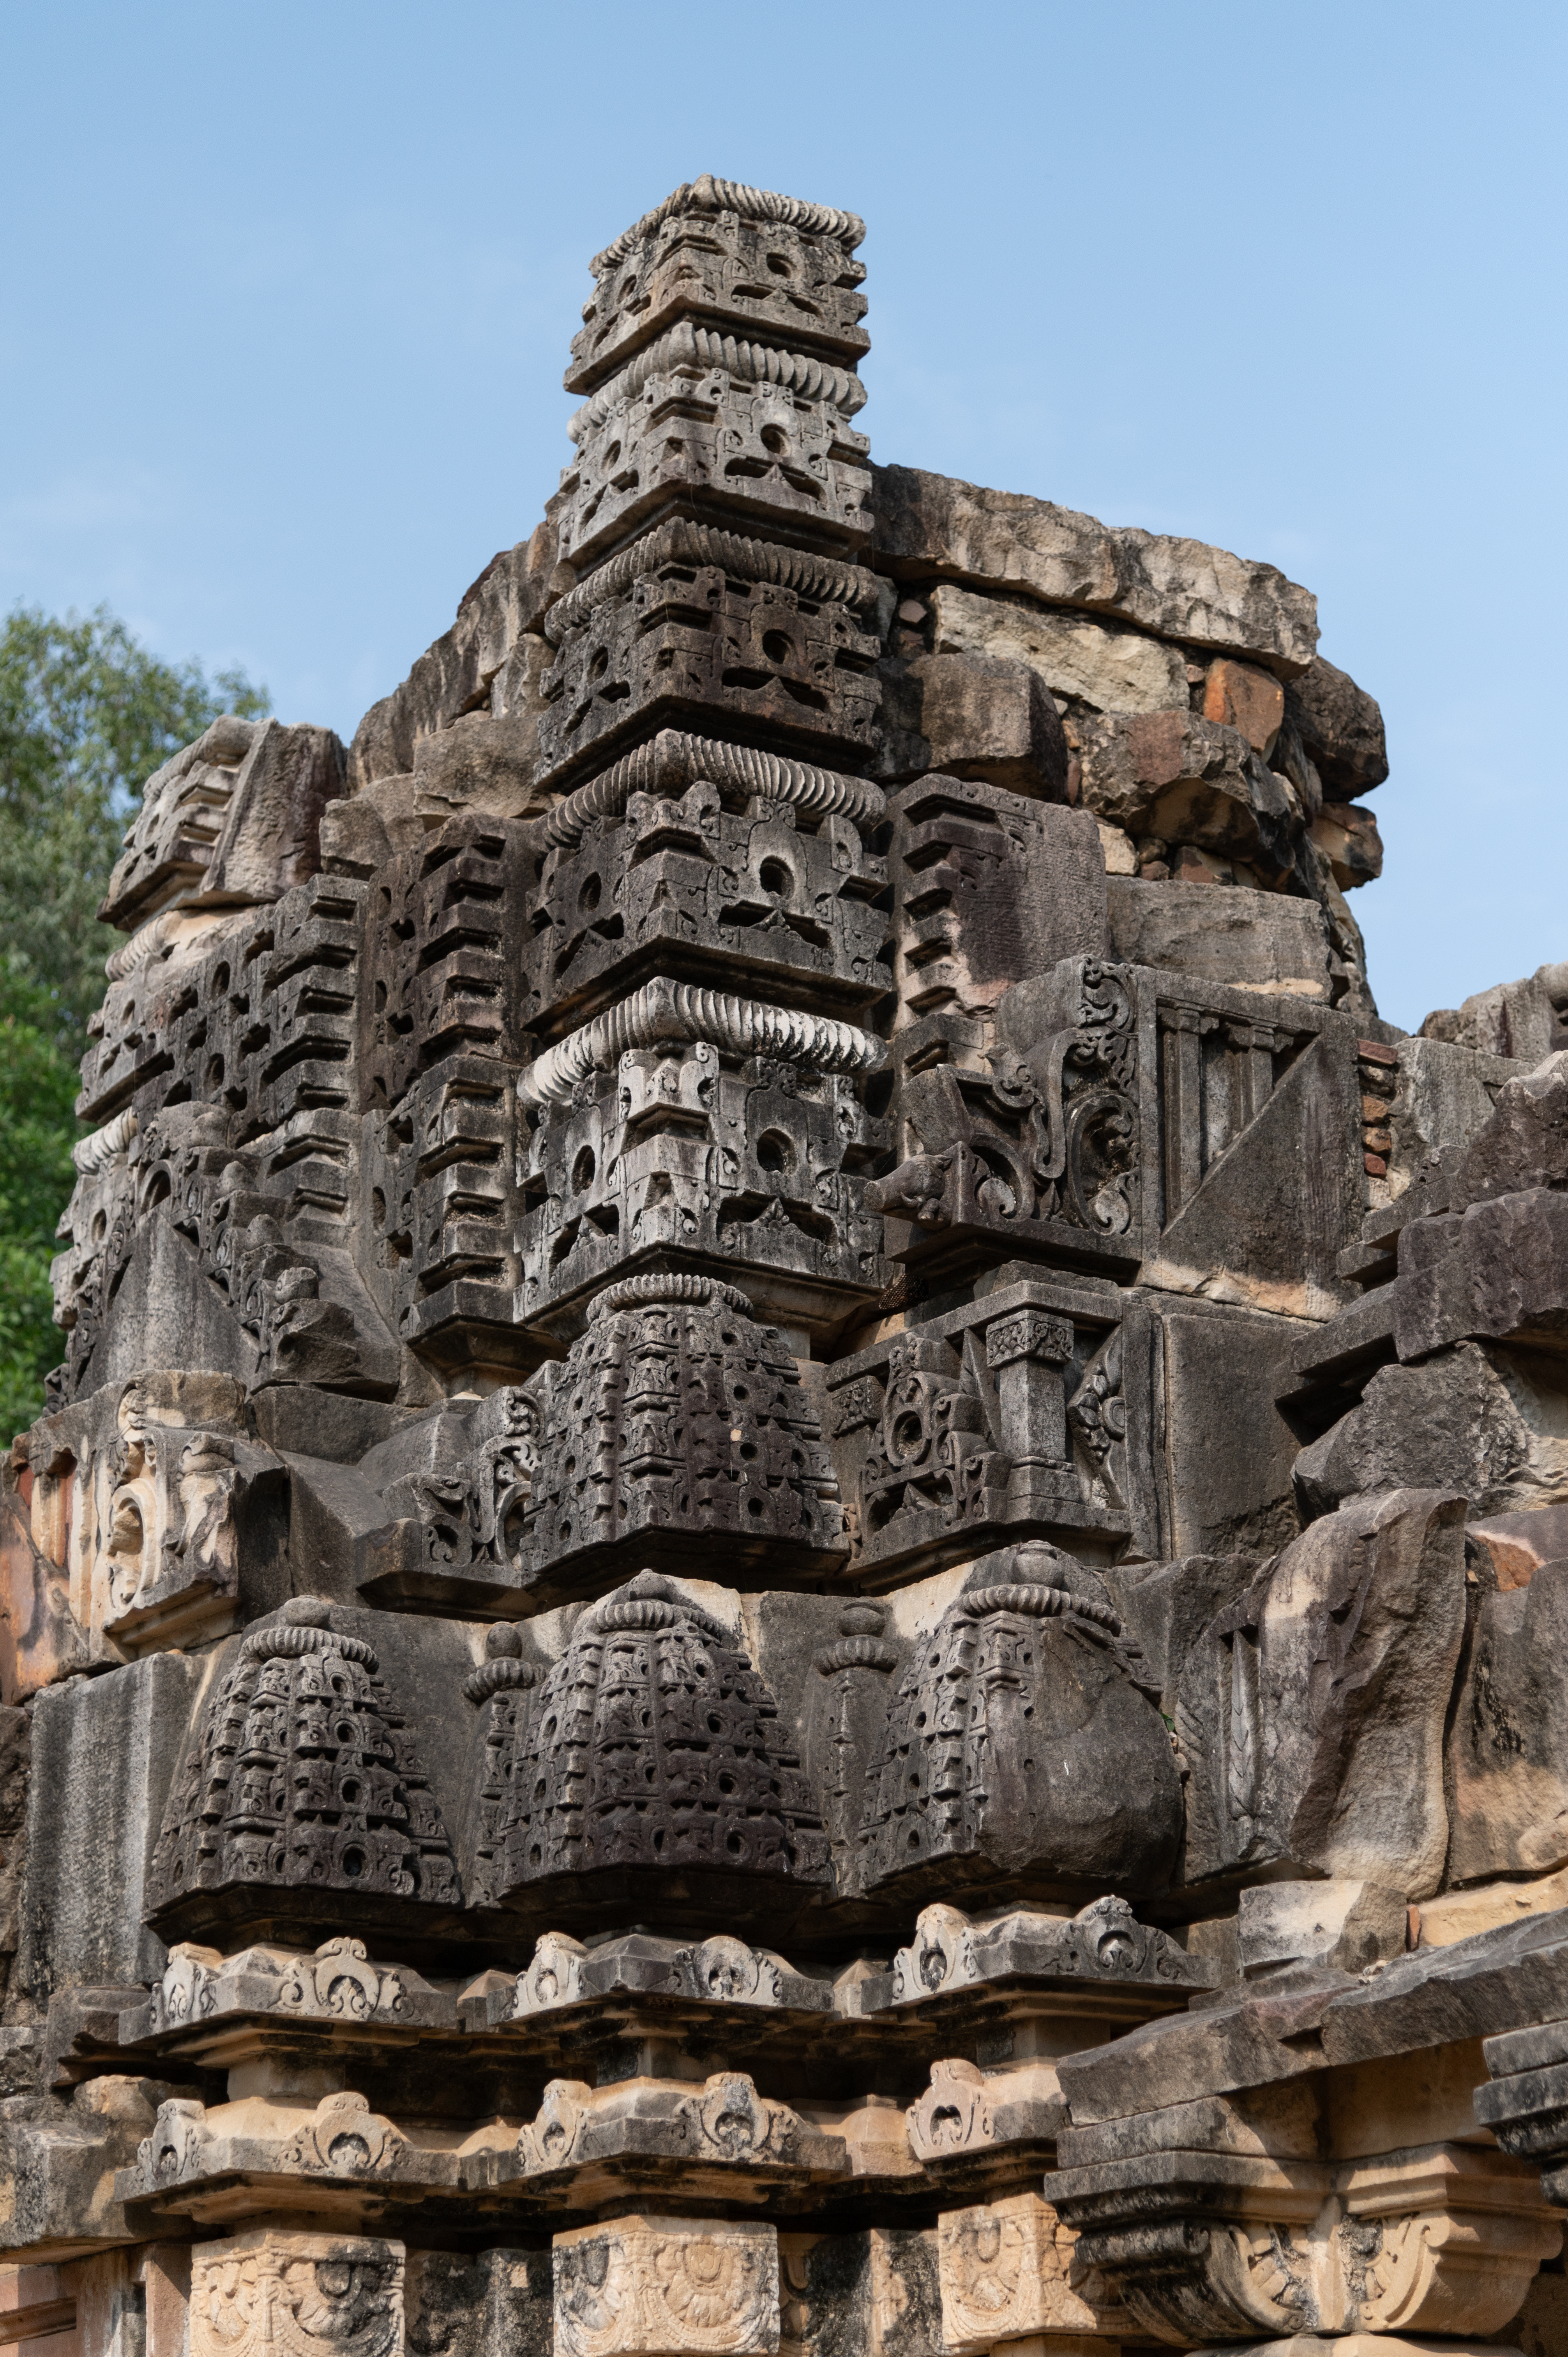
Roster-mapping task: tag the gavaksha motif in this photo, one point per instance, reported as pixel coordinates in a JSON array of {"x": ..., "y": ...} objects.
[{"x": 798, "y": 1582}]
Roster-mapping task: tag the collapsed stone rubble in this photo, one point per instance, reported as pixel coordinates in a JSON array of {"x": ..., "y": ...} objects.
[{"x": 800, "y": 1576}]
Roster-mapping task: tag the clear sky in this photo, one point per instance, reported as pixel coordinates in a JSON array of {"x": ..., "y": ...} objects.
[{"x": 288, "y": 290}]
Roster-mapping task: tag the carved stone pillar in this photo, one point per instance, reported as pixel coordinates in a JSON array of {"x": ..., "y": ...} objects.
[
  {"x": 1026, "y": 1355},
  {"x": 650, "y": 2286},
  {"x": 296, "y": 2295}
]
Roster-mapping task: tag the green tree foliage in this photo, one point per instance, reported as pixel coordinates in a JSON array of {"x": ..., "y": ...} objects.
[{"x": 86, "y": 716}]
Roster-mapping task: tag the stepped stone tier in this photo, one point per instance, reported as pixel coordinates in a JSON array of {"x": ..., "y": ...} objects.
[{"x": 798, "y": 1581}]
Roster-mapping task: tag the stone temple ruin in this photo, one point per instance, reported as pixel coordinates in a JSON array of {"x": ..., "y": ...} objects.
[{"x": 800, "y": 1581}]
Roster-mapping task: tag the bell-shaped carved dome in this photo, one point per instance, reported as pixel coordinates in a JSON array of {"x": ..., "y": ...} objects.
[
  {"x": 677, "y": 1427},
  {"x": 1020, "y": 1747},
  {"x": 654, "y": 1749},
  {"x": 302, "y": 1797}
]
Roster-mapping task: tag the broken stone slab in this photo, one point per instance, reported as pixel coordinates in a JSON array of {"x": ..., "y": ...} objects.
[
  {"x": 1517, "y": 1544},
  {"x": 936, "y": 526},
  {"x": 1498, "y": 1273},
  {"x": 1259, "y": 941},
  {"x": 1348, "y": 839},
  {"x": 1524, "y": 1019},
  {"x": 65, "y": 2164},
  {"x": 455, "y": 675},
  {"x": 1524, "y": 1143},
  {"x": 234, "y": 817},
  {"x": 976, "y": 716},
  {"x": 1471, "y": 1417},
  {"x": 1365, "y": 1613},
  {"x": 1186, "y": 779},
  {"x": 1341, "y": 726},
  {"x": 1343, "y": 1923},
  {"x": 1239, "y": 696},
  {"x": 1497, "y": 1980},
  {"x": 1112, "y": 670}
]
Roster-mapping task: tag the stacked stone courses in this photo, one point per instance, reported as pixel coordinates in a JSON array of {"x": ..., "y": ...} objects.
[{"x": 799, "y": 1580}]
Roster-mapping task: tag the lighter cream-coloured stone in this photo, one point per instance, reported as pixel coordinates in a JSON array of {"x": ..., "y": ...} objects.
[
  {"x": 1115, "y": 671},
  {"x": 296, "y": 2295},
  {"x": 1005, "y": 2270},
  {"x": 653, "y": 2286},
  {"x": 1459, "y": 1914}
]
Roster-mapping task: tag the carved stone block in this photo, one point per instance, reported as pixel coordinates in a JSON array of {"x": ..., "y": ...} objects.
[
  {"x": 653, "y": 2286},
  {"x": 270, "y": 2294},
  {"x": 1019, "y": 1749},
  {"x": 742, "y": 258},
  {"x": 738, "y": 434},
  {"x": 235, "y": 816},
  {"x": 947, "y": 1438},
  {"x": 1008, "y": 2271},
  {"x": 302, "y": 1782},
  {"x": 692, "y": 629},
  {"x": 733, "y": 1141},
  {"x": 769, "y": 897},
  {"x": 989, "y": 887},
  {"x": 676, "y": 1431},
  {"x": 653, "y": 1753}
]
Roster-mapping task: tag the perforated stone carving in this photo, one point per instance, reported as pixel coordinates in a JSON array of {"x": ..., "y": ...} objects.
[
  {"x": 693, "y": 626},
  {"x": 654, "y": 1749},
  {"x": 678, "y": 1426},
  {"x": 743, "y": 258},
  {"x": 303, "y": 1781},
  {"x": 998, "y": 1744}
]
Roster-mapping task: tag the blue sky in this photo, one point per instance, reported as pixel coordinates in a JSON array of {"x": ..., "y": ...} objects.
[{"x": 289, "y": 290}]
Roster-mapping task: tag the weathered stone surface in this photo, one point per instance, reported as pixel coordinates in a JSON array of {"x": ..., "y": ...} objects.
[
  {"x": 234, "y": 817},
  {"x": 1181, "y": 779},
  {"x": 1524, "y": 1143},
  {"x": 104, "y": 1753},
  {"x": 676, "y": 1430},
  {"x": 1524, "y": 1019},
  {"x": 1509, "y": 1748},
  {"x": 1110, "y": 670},
  {"x": 976, "y": 716},
  {"x": 1517, "y": 1544},
  {"x": 932, "y": 526},
  {"x": 1312, "y": 1712},
  {"x": 1345, "y": 1925},
  {"x": 1347, "y": 836},
  {"x": 1470, "y": 1417},
  {"x": 1241, "y": 696},
  {"x": 1253, "y": 940},
  {"x": 1340, "y": 728},
  {"x": 460, "y": 673}
]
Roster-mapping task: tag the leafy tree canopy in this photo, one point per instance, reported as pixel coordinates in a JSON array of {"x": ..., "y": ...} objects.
[{"x": 86, "y": 716}]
